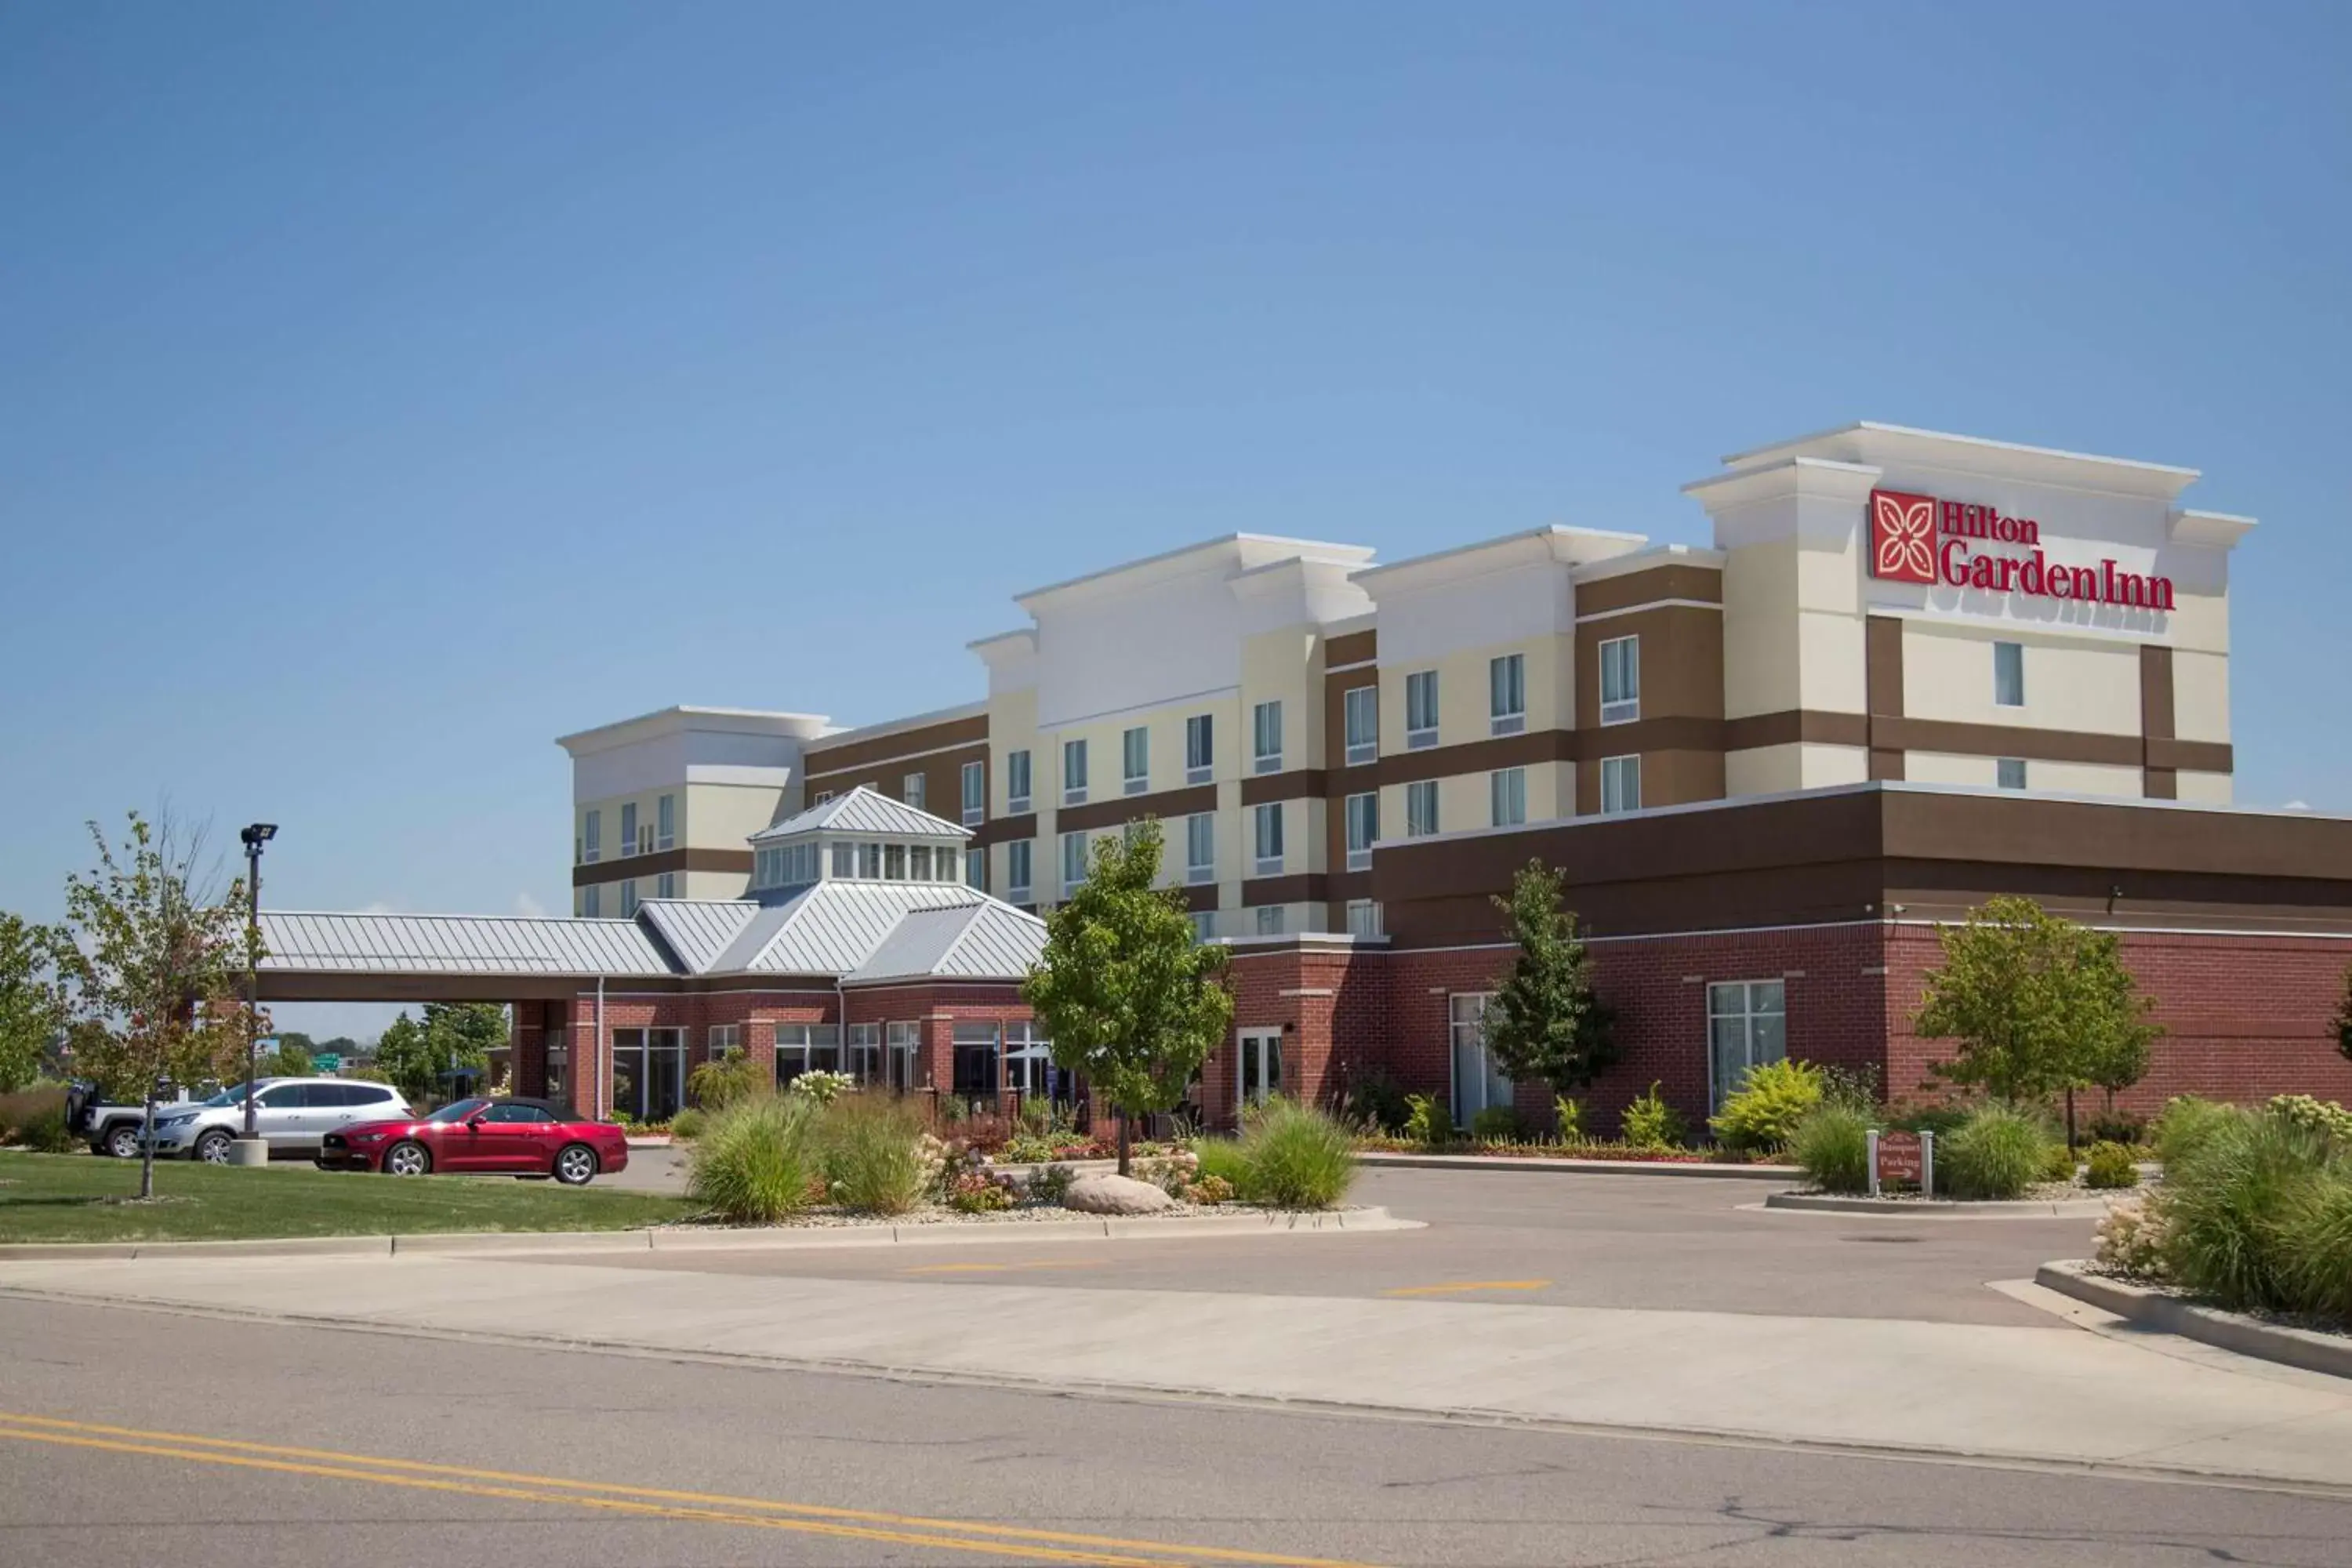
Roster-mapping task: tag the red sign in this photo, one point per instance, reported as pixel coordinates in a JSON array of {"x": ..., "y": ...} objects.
[
  {"x": 1899, "y": 1159},
  {"x": 1919, "y": 538}
]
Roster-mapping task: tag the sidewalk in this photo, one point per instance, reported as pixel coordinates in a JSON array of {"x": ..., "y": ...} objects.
[{"x": 2057, "y": 1393}]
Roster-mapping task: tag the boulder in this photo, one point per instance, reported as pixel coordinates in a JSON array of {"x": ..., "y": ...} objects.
[{"x": 1116, "y": 1194}]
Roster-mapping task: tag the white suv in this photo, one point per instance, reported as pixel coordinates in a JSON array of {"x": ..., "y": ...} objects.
[{"x": 293, "y": 1115}]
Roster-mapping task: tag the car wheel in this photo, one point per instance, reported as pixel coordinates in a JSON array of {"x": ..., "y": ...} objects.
[
  {"x": 122, "y": 1141},
  {"x": 575, "y": 1165},
  {"x": 212, "y": 1147},
  {"x": 406, "y": 1159}
]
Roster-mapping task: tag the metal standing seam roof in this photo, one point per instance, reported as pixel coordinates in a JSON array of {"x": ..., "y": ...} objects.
[
  {"x": 969, "y": 941},
  {"x": 865, "y": 810},
  {"x": 698, "y": 930},
  {"x": 458, "y": 945},
  {"x": 834, "y": 927}
]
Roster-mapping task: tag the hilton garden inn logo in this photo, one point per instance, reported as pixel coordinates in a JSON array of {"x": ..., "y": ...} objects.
[{"x": 1920, "y": 539}]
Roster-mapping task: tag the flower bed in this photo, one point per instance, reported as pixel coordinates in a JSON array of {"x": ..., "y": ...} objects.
[{"x": 1502, "y": 1150}]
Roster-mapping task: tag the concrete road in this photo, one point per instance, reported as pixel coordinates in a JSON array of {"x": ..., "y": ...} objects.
[
  {"x": 139, "y": 1436},
  {"x": 1667, "y": 1242}
]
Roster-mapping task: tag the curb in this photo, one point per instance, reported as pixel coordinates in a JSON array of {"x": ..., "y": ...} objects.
[
  {"x": 1941, "y": 1209},
  {"x": 1566, "y": 1167},
  {"x": 748, "y": 1238},
  {"x": 2305, "y": 1348}
]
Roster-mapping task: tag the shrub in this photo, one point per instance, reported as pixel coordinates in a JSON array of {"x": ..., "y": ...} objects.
[
  {"x": 867, "y": 1148},
  {"x": 2236, "y": 1208},
  {"x": 1210, "y": 1190},
  {"x": 2131, "y": 1240},
  {"x": 822, "y": 1086},
  {"x": 1221, "y": 1158},
  {"x": 1854, "y": 1086},
  {"x": 1295, "y": 1157},
  {"x": 687, "y": 1125},
  {"x": 972, "y": 1191},
  {"x": 717, "y": 1084},
  {"x": 2325, "y": 1117},
  {"x": 22, "y": 1109},
  {"x": 1568, "y": 1119},
  {"x": 754, "y": 1164},
  {"x": 2110, "y": 1167},
  {"x": 44, "y": 1130},
  {"x": 1763, "y": 1112},
  {"x": 1029, "y": 1149},
  {"x": 1997, "y": 1152},
  {"x": 1833, "y": 1145},
  {"x": 2316, "y": 1233},
  {"x": 1051, "y": 1184},
  {"x": 1426, "y": 1120},
  {"x": 984, "y": 1130},
  {"x": 1651, "y": 1124},
  {"x": 2114, "y": 1127},
  {"x": 1173, "y": 1172},
  {"x": 1943, "y": 1120},
  {"x": 1375, "y": 1100},
  {"x": 2186, "y": 1123},
  {"x": 2057, "y": 1162},
  {"x": 1495, "y": 1124}
]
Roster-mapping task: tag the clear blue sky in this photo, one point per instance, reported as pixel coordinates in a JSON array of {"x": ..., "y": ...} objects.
[{"x": 386, "y": 390}]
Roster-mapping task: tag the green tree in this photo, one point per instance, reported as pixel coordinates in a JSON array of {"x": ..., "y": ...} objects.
[
  {"x": 1545, "y": 1022},
  {"x": 292, "y": 1059},
  {"x": 32, "y": 999},
  {"x": 2344, "y": 1018},
  {"x": 1132, "y": 1000},
  {"x": 417, "y": 1057},
  {"x": 153, "y": 962},
  {"x": 2037, "y": 1004}
]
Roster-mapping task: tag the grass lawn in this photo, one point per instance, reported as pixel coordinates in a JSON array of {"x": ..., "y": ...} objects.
[{"x": 80, "y": 1197}]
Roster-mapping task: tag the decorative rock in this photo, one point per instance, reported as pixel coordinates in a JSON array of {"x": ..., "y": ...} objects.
[{"x": 1116, "y": 1194}]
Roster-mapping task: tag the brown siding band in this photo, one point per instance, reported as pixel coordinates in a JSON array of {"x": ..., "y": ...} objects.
[
  {"x": 2005, "y": 740},
  {"x": 1122, "y": 809},
  {"x": 2192, "y": 756},
  {"x": 2156, "y": 706},
  {"x": 1299, "y": 783},
  {"x": 2159, "y": 783},
  {"x": 640, "y": 866},
  {"x": 1301, "y": 888},
  {"x": 1681, "y": 582},
  {"x": 820, "y": 759},
  {"x": 1351, "y": 648},
  {"x": 1812, "y": 726},
  {"x": 1199, "y": 897},
  {"x": 1004, "y": 829}
]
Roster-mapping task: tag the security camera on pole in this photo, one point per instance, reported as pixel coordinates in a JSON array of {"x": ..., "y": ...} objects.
[{"x": 252, "y": 1149}]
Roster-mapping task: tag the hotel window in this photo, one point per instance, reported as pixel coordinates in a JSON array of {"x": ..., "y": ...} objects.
[
  {"x": 1265, "y": 732},
  {"x": 2009, "y": 773},
  {"x": 910, "y": 790},
  {"x": 894, "y": 862},
  {"x": 629, "y": 828},
  {"x": 1421, "y": 809},
  {"x": 844, "y": 859},
  {"x": 1135, "y": 760},
  {"x": 1204, "y": 924},
  {"x": 666, "y": 818},
  {"x": 918, "y": 863},
  {"x": 904, "y": 1043},
  {"x": 805, "y": 1048},
  {"x": 1267, "y": 823},
  {"x": 865, "y": 1052},
  {"x": 1364, "y": 918},
  {"x": 947, "y": 866},
  {"x": 1073, "y": 861},
  {"x": 1269, "y": 920},
  {"x": 2009, "y": 675},
  {"x": 1507, "y": 694},
  {"x": 823, "y": 795},
  {"x": 1363, "y": 830},
  {"x": 869, "y": 862},
  {"x": 1747, "y": 1026},
  {"x": 1200, "y": 748},
  {"x": 666, "y": 885},
  {"x": 1621, "y": 784},
  {"x": 592, "y": 903},
  {"x": 592, "y": 834},
  {"x": 1360, "y": 708},
  {"x": 1201, "y": 847},
  {"x": 975, "y": 869},
  {"x": 629, "y": 898},
  {"x": 975, "y": 793},
  {"x": 1016, "y": 781},
  {"x": 1074, "y": 773},
  {"x": 1621, "y": 680},
  {"x": 723, "y": 1038},
  {"x": 1507, "y": 792},
  {"x": 1420, "y": 710},
  {"x": 1016, "y": 871}
]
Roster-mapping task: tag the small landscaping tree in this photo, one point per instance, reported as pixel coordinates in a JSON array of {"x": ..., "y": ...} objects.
[
  {"x": 32, "y": 1000},
  {"x": 153, "y": 962},
  {"x": 1544, "y": 1021},
  {"x": 453, "y": 1035},
  {"x": 1126, "y": 992},
  {"x": 2344, "y": 1018}
]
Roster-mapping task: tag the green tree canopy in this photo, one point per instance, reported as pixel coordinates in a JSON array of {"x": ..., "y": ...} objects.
[
  {"x": 2344, "y": 1018},
  {"x": 2037, "y": 1005},
  {"x": 1545, "y": 1022},
  {"x": 453, "y": 1035},
  {"x": 32, "y": 999},
  {"x": 1129, "y": 997}
]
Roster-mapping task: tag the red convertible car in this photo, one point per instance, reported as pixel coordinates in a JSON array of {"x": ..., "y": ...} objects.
[{"x": 489, "y": 1137}]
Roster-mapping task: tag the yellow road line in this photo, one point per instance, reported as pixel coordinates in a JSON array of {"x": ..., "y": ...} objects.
[
  {"x": 1459, "y": 1285},
  {"x": 707, "y": 1507},
  {"x": 1001, "y": 1268}
]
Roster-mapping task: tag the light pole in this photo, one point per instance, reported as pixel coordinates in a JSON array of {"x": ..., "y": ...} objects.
[{"x": 254, "y": 838}]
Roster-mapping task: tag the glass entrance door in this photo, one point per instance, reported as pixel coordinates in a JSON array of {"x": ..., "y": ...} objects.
[
  {"x": 903, "y": 1040},
  {"x": 1028, "y": 1057},
  {"x": 1259, "y": 1070},
  {"x": 1478, "y": 1082},
  {"x": 665, "y": 1079}
]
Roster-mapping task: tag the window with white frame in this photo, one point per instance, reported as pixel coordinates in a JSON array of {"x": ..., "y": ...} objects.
[
  {"x": 869, "y": 862},
  {"x": 894, "y": 863},
  {"x": 1201, "y": 847},
  {"x": 629, "y": 828},
  {"x": 1269, "y": 920},
  {"x": 1421, "y": 808},
  {"x": 947, "y": 866},
  {"x": 1017, "y": 870},
  {"x": 1507, "y": 790},
  {"x": 1621, "y": 680},
  {"x": 1363, "y": 829},
  {"x": 806, "y": 1047},
  {"x": 1267, "y": 830},
  {"x": 1478, "y": 1082},
  {"x": 844, "y": 859},
  {"x": 1265, "y": 738},
  {"x": 864, "y": 1052},
  {"x": 1016, "y": 781},
  {"x": 1363, "y": 917},
  {"x": 629, "y": 898},
  {"x": 666, "y": 820},
  {"x": 722, "y": 1038},
  {"x": 1135, "y": 760},
  {"x": 975, "y": 869},
  {"x": 1204, "y": 925},
  {"x": 1420, "y": 710},
  {"x": 910, "y": 790},
  {"x": 592, "y": 903},
  {"x": 789, "y": 865},
  {"x": 973, "y": 779},
  {"x": 666, "y": 885},
  {"x": 2009, "y": 773},
  {"x": 823, "y": 795},
  {"x": 1200, "y": 748},
  {"x": 1507, "y": 694},
  {"x": 1074, "y": 773},
  {"x": 1621, "y": 784},
  {"x": 1073, "y": 861},
  {"x": 918, "y": 863},
  {"x": 1747, "y": 1026},
  {"x": 2008, "y": 674},
  {"x": 1360, "y": 722},
  {"x": 592, "y": 834}
]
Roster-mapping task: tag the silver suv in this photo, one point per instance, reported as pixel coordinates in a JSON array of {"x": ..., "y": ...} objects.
[{"x": 293, "y": 1115}]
